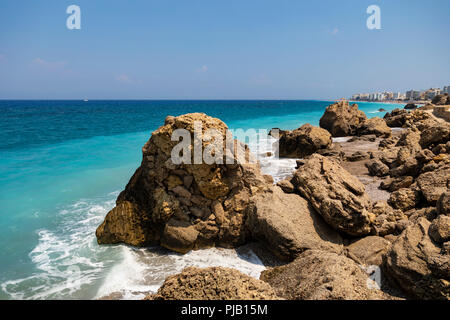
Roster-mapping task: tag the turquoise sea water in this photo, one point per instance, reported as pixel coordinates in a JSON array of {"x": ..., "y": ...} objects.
[{"x": 62, "y": 165}]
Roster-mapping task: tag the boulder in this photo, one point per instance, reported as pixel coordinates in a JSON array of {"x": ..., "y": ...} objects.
[
  {"x": 443, "y": 204},
  {"x": 342, "y": 119},
  {"x": 433, "y": 184},
  {"x": 320, "y": 275},
  {"x": 376, "y": 126},
  {"x": 338, "y": 197},
  {"x": 440, "y": 229},
  {"x": 214, "y": 283},
  {"x": 435, "y": 135},
  {"x": 388, "y": 221},
  {"x": 441, "y": 100},
  {"x": 303, "y": 141},
  {"x": 358, "y": 156},
  {"x": 286, "y": 186},
  {"x": 288, "y": 225},
  {"x": 368, "y": 251},
  {"x": 185, "y": 206},
  {"x": 417, "y": 264},
  {"x": 377, "y": 168},
  {"x": 404, "y": 199}
]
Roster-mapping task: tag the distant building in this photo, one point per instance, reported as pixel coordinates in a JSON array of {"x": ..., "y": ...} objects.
[
  {"x": 446, "y": 89},
  {"x": 413, "y": 95},
  {"x": 431, "y": 93}
]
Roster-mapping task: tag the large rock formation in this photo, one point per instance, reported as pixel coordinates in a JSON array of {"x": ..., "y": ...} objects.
[
  {"x": 215, "y": 283},
  {"x": 376, "y": 126},
  {"x": 418, "y": 264},
  {"x": 303, "y": 141},
  {"x": 338, "y": 196},
  {"x": 433, "y": 184},
  {"x": 441, "y": 100},
  {"x": 288, "y": 225},
  {"x": 320, "y": 275},
  {"x": 342, "y": 119},
  {"x": 184, "y": 206}
]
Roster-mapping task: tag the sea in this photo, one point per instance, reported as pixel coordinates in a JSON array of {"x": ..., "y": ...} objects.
[{"x": 62, "y": 166}]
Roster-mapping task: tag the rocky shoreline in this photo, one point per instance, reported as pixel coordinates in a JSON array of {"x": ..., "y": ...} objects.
[{"x": 367, "y": 196}]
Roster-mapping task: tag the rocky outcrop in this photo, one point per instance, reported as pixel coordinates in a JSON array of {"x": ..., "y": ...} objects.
[
  {"x": 303, "y": 141},
  {"x": 215, "y": 283},
  {"x": 404, "y": 199},
  {"x": 320, "y": 275},
  {"x": 435, "y": 135},
  {"x": 288, "y": 225},
  {"x": 434, "y": 184},
  {"x": 441, "y": 100},
  {"x": 377, "y": 168},
  {"x": 418, "y": 264},
  {"x": 376, "y": 126},
  {"x": 184, "y": 206},
  {"x": 440, "y": 229},
  {"x": 342, "y": 119},
  {"x": 406, "y": 119},
  {"x": 410, "y": 106},
  {"x": 443, "y": 204},
  {"x": 338, "y": 196},
  {"x": 368, "y": 251},
  {"x": 388, "y": 221}
]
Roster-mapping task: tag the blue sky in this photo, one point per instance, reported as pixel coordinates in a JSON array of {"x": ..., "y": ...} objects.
[{"x": 209, "y": 49}]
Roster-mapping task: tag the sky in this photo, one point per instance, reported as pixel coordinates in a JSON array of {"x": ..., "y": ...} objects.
[{"x": 209, "y": 49}]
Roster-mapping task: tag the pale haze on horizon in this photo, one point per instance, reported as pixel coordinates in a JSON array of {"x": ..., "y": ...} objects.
[{"x": 221, "y": 49}]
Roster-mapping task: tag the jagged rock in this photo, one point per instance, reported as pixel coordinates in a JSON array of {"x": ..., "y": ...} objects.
[
  {"x": 416, "y": 263},
  {"x": 339, "y": 197},
  {"x": 443, "y": 204},
  {"x": 303, "y": 141},
  {"x": 433, "y": 184},
  {"x": 342, "y": 119},
  {"x": 288, "y": 225},
  {"x": 358, "y": 156},
  {"x": 320, "y": 275},
  {"x": 395, "y": 184},
  {"x": 214, "y": 283},
  {"x": 376, "y": 126},
  {"x": 435, "y": 135},
  {"x": 440, "y": 229},
  {"x": 388, "y": 220},
  {"x": 184, "y": 206},
  {"x": 377, "y": 168},
  {"x": 368, "y": 251},
  {"x": 441, "y": 100},
  {"x": 396, "y": 118},
  {"x": 404, "y": 199}
]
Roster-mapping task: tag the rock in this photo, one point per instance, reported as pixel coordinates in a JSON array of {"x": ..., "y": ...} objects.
[
  {"x": 399, "y": 183},
  {"x": 376, "y": 126},
  {"x": 388, "y": 220},
  {"x": 320, "y": 275},
  {"x": 404, "y": 199},
  {"x": 434, "y": 184},
  {"x": 288, "y": 225},
  {"x": 358, "y": 156},
  {"x": 428, "y": 106},
  {"x": 338, "y": 196},
  {"x": 377, "y": 168},
  {"x": 405, "y": 119},
  {"x": 441, "y": 100},
  {"x": 368, "y": 251},
  {"x": 381, "y": 110},
  {"x": 184, "y": 206},
  {"x": 303, "y": 141},
  {"x": 342, "y": 119},
  {"x": 440, "y": 229},
  {"x": 415, "y": 262},
  {"x": 286, "y": 186},
  {"x": 214, "y": 283},
  {"x": 410, "y": 106},
  {"x": 435, "y": 135},
  {"x": 443, "y": 204}
]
